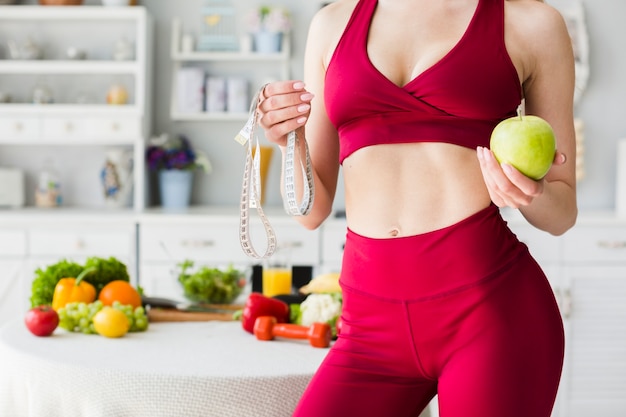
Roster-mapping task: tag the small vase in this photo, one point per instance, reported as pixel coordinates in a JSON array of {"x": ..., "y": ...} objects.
[
  {"x": 116, "y": 176},
  {"x": 267, "y": 42},
  {"x": 175, "y": 188}
]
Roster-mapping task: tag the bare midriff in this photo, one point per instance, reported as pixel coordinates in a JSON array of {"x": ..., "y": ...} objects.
[{"x": 408, "y": 189}]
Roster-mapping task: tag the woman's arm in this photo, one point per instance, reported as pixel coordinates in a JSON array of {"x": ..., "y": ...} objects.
[
  {"x": 539, "y": 38},
  {"x": 290, "y": 105}
]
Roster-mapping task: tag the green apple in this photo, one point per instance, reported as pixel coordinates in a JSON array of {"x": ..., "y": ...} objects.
[{"x": 525, "y": 142}]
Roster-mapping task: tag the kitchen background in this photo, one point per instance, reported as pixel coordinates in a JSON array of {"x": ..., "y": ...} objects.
[
  {"x": 601, "y": 109},
  {"x": 586, "y": 266}
]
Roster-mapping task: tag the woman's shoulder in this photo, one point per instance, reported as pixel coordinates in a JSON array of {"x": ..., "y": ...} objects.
[
  {"x": 533, "y": 14},
  {"x": 535, "y": 24},
  {"x": 328, "y": 25},
  {"x": 336, "y": 13}
]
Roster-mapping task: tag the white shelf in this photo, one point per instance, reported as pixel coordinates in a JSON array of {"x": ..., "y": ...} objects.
[
  {"x": 65, "y": 123},
  {"x": 70, "y": 142},
  {"x": 28, "y": 109},
  {"x": 205, "y": 116},
  {"x": 68, "y": 67},
  {"x": 234, "y": 56},
  {"x": 62, "y": 13},
  {"x": 179, "y": 58}
]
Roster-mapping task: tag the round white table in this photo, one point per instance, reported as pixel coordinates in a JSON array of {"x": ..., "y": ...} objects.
[{"x": 174, "y": 369}]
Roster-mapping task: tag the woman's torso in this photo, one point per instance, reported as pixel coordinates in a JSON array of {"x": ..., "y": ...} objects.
[{"x": 414, "y": 186}]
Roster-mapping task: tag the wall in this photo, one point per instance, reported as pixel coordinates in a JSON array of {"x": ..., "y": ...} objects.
[{"x": 602, "y": 108}]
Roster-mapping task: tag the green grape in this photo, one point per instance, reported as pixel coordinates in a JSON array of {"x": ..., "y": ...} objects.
[
  {"x": 141, "y": 324},
  {"x": 133, "y": 315},
  {"x": 82, "y": 309},
  {"x": 83, "y": 323},
  {"x": 78, "y": 317}
]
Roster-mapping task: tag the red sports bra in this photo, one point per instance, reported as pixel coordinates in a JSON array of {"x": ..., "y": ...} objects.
[{"x": 458, "y": 100}]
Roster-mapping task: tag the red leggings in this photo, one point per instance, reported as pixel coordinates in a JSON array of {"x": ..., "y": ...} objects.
[{"x": 463, "y": 312}]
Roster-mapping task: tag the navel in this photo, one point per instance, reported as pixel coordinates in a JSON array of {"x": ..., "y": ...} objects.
[{"x": 394, "y": 232}]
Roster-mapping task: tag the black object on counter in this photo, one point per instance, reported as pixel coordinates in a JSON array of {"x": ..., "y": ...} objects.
[{"x": 301, "y": 275}]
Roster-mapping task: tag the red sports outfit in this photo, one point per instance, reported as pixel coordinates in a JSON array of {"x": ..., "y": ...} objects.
[
  {"x": 464, "y": 311},
  {"x": 458, "y": 100}
]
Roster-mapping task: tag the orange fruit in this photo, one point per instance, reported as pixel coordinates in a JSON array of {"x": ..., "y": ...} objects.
[
  {"x": 120, "y": 291},
  {"x": 110, "y": 322}
]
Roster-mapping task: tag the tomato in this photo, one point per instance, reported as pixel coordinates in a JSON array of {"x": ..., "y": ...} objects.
[
  {"x": 42, "y": 320},
  {"x": 110, "y": 322}
]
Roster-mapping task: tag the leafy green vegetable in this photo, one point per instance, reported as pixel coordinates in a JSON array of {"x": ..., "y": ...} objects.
[
  {"x": 295, "y": 314},
  {"x": 210, "y": 285},
  {"x": 42, "y": 288},
  {"x": 107, "y": 270}
]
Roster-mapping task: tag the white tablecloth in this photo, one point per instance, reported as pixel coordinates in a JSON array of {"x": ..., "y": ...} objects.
[{"x": 174, "y": 369}]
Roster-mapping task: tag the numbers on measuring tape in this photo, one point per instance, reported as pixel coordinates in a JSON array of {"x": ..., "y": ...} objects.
[{"x": 251, "y": 186}]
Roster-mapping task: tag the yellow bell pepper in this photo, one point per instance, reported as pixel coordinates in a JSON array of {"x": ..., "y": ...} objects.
[{"x": 69, "y": 290}]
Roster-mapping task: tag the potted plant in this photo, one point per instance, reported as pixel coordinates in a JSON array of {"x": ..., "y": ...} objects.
[
  {"x": 267, "y": 25},
  {"x": 175, "y": 161}
]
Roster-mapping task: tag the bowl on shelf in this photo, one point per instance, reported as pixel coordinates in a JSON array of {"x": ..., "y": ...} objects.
[{"x": 61, "y": 2}]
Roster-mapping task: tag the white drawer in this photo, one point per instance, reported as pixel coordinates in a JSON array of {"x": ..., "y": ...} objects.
[
  {"x": 12, "y": 243},
  {"x": 103, "y": 243},
  {"x": 219, "y": 243},
  {"x": 303, "y": 243},
  {"x": 333, "y": 243},
  {"x": 203, "y": 243},
  {"x": 19, "y": 128},
  {"x": 114, "y": 128},
  {"x": 64, "y": 128},
  {"x": 544, "y": 247},
  {"x": 596, "y": 244}
]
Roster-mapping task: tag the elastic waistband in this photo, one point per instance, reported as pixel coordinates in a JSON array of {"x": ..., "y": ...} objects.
[{"x": 433, "y": 263}]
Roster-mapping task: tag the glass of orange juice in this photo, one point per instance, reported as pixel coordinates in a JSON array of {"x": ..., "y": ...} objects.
[{"x": 277, "y": 277}]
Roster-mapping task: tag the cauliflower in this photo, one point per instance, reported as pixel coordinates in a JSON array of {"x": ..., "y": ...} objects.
[{"x": 321, "y": 308}]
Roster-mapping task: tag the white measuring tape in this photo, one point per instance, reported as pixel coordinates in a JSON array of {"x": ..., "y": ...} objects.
[{"x": 251, "y": 187}]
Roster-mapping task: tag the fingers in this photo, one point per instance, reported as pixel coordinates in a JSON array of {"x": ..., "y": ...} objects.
[
  {"x": 559, "y": 158},
  {"x": 505, "y": 184},
  {"x": 282, "y": 87},
  {"x": 284, "y": 106}
]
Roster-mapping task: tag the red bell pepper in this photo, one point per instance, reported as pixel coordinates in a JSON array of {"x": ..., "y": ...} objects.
[{"x": 259, "y": 305}]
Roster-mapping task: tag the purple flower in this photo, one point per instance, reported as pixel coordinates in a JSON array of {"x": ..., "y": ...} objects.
[{"x": 175, "y": 153}]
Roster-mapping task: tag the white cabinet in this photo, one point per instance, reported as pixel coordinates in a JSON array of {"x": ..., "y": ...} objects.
[
  {"x": 595, "y": 277},
  {"x": 254, "y": 67},
  {"x": 210, "y": 237},
  {"x": 31, "y": 239},
  {"x": 594, "y": 380},
  {"x": 332, "y": 243},
  {"x": 78, "y": 114}
]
